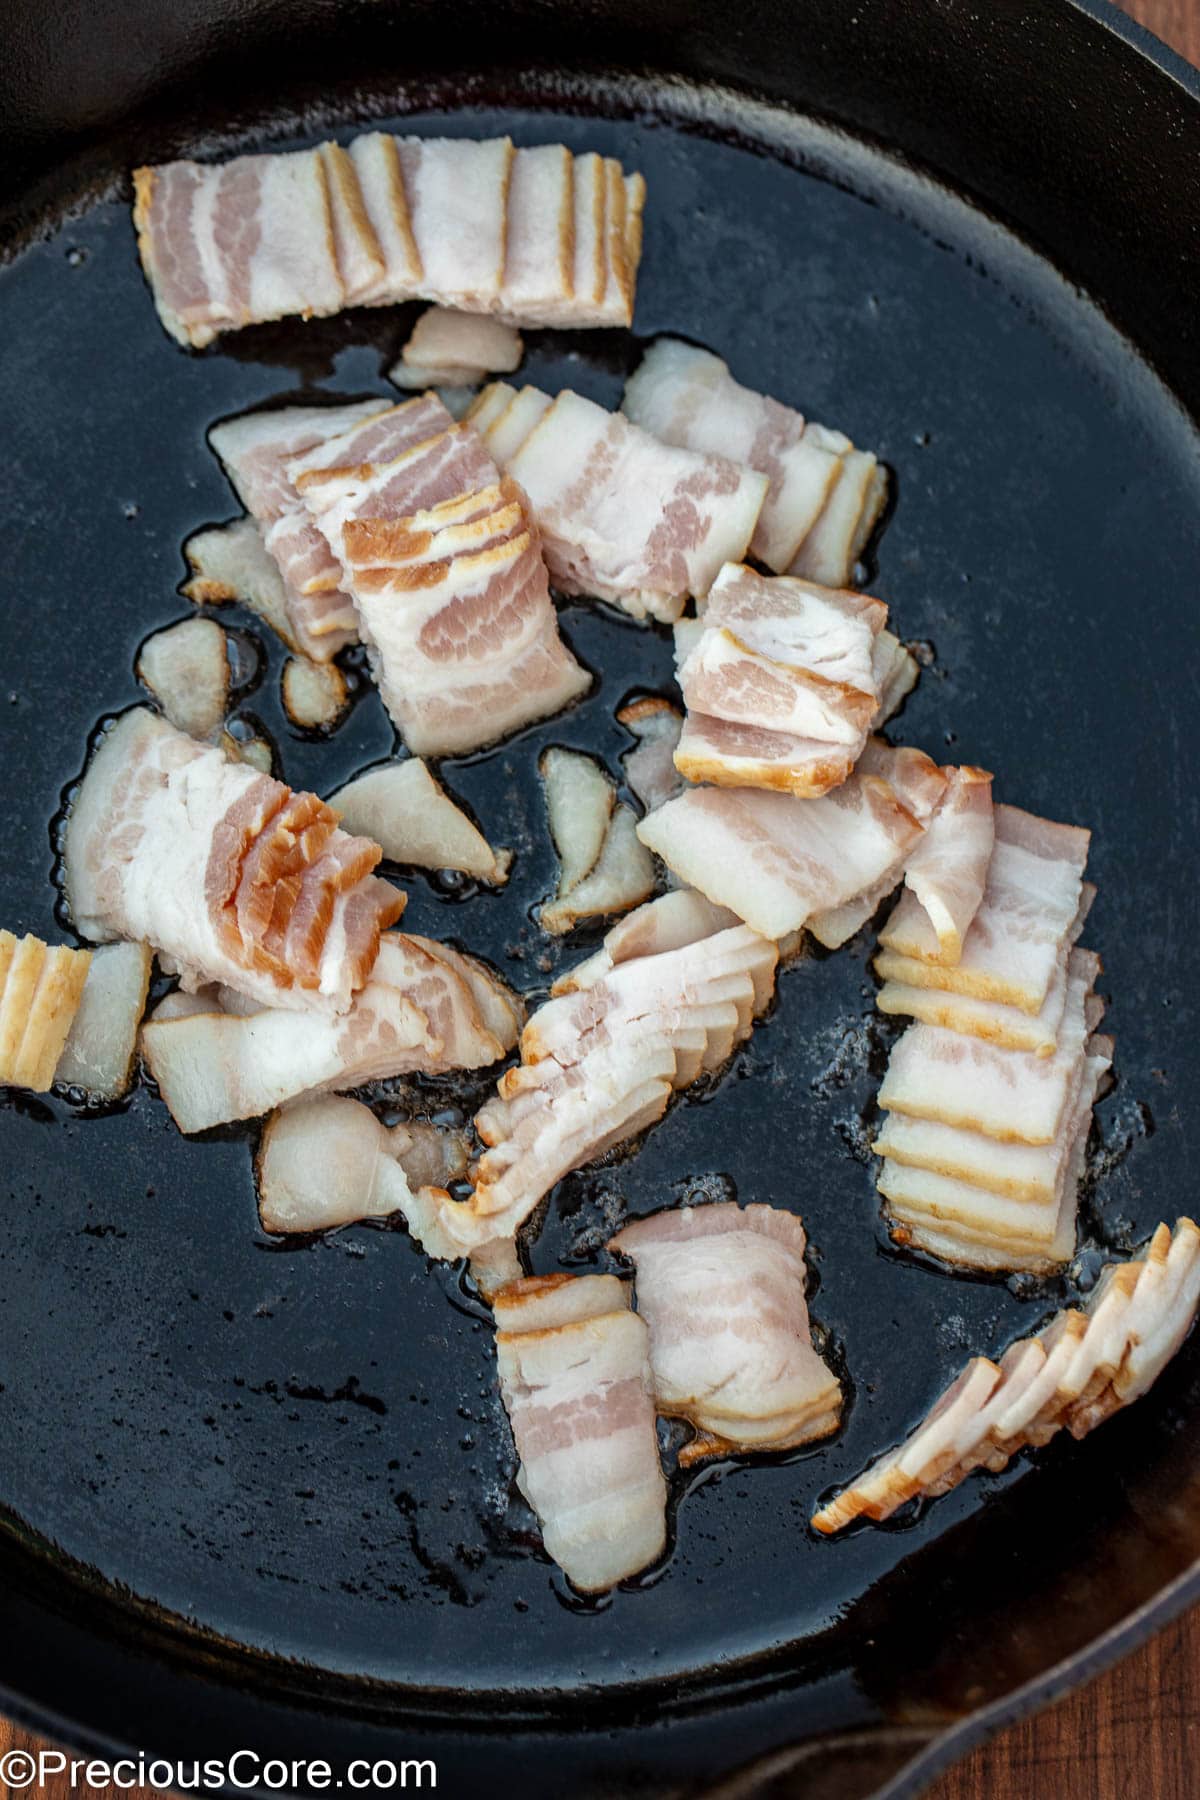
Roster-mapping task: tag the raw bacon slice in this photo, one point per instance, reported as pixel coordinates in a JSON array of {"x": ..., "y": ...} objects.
[
  {"x": 602, "y": 1060},
  {"x": 851, "y": 513},
  {"x": 457, "y": 192},
  {"x": 255, "y": 451},
  {"x": 776, "y": 860},
  {"x": 999, "y": 1023},
  {"x": 722, "y": 1291},
  {"x": 237, "y": 243},
  {"x": 1074, "y": 1373},
  {"x": 1006, "y": 1094},
  {"x": 1024, "y": 1172},
  {"x": 418, "y": 1012},
  {"x": 539, "y": 261},
  {"x": 687, "y": 396},
  {"x": 625, "y": 518},
  {"x": 574, "y": 1376},
  {"x": 375, "y": 157},
  {"x": 780, "y": 682},
  {"x": 754, "y": 756},
  {"x": 731, "y": 966},
  {"x": 449, "y": 585},
  {"x": 1010, "y": 952},
  {"x": 671, "y": 922},
  {"x": 965, "y": 1222},
  {"x": 536, "y": 236},
  {"x": 934, "y": 1447},
  {"x": 504, "y": 427},
  {"x": 727, "y": 677},
  {"x": 829, "y": 632},
  {"x": 172, "y": 844},
  {"x": 41, "y": 987},
  {"x": 948, "y": 869},
  {"x": 1161, "y": 1312},
  {"x": 360, "y": 255}
]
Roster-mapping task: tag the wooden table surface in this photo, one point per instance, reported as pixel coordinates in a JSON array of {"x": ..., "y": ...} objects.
[{"x": 1131, "y": 1734}]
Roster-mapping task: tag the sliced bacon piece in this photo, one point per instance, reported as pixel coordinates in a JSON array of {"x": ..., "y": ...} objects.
[
  {"x": 1022, "y": 1172},
  {"x": 375, "y": 156},
  {"x": 539, "y": 261},
  {"x": 999, "y": 1023},
  {"x": 650, "y": 766},
  {"x": 1161, "y": 1312},
  {"x": 450, "y": 589},
  {"x": 454, "y": 345},
  {"x": 671, "y": 922},
  {"x": 933, "y": 1448},
  {"x": 237, "y": 243},
  {"x": 574, "y": 1376},
  {"x": 413, "y": 820},
  {"x": 172, "y": 844},
  {"x": 722, "y": 1290},
  {"x": 186, "y": 668},
  {"x": 329, "y": 1162},
  {"x": 457, "y": 192},
  {"x": 1007, "y": 1094},
  {"x": 41, "y": 987},
  {"x": 1075, "y": 1373},
  {"x": 603, "y": 1058},
  {"x": 687, "y": 396},
  {"x": 776, "y": 860},
  {"x": 360, "y": 255},
  {"x": 625, "y": 518},
  {"x": 255, "y": 450},
  {"x": 541, "y": 1126},
  {"x": 896, "y": 673},
  {"x": 780, "y": 682},
  {"x": 948, "y": 869},
  {"x": 536, "y": 236},
  {"x": 98, "y": 1056},
  {"x": 504, "y": 427},
  {"x": 417, "y": 1012},
  {"x": 851, "y": 513},
  {"x": 1011, "y": 950},
  {"x": 735, "y": 965},
  {"x": 754, "y": 756}
]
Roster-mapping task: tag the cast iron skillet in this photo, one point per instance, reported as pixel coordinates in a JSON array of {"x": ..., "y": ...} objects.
[{"x": 264, "y": 1499}]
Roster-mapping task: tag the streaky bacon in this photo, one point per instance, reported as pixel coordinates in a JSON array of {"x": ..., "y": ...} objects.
[
  {"x": 575, "y": 1381},
  {"x": 170, "y": 843},
  {"x": 722, "y": 1291}
]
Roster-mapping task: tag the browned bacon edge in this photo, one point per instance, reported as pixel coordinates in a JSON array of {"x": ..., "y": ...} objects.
[{"x": 273, "y": 879}]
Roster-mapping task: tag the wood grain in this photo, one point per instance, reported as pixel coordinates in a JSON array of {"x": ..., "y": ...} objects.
[{"x": 1131, "y": 1734}]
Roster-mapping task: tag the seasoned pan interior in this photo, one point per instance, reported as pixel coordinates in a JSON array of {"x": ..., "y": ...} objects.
[{"x": 299, "y": 1448}]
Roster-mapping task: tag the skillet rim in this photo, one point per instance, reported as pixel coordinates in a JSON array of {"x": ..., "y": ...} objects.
[{"x": 945, "y": 1745}]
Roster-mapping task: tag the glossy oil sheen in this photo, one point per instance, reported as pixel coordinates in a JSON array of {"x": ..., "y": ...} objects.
[{"x": 299, "y": 1449}]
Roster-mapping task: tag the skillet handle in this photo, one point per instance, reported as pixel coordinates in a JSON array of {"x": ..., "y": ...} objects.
[{"x": 858, "y": 1765}]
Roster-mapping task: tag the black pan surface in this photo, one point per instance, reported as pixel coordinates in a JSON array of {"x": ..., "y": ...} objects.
[{"x": 279, "y": 1474}]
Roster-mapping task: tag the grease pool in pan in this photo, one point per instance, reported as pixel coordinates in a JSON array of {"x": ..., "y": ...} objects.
[{"x": 304, "y": 1451}]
